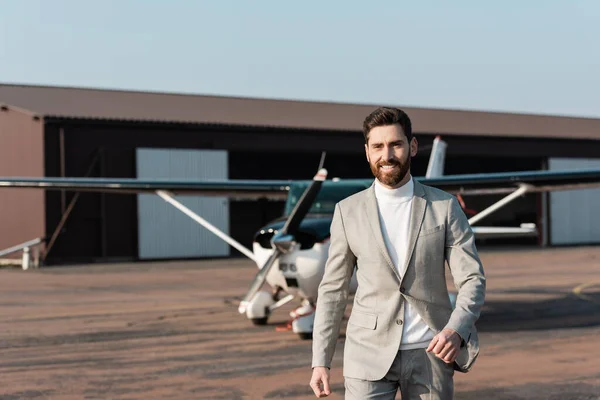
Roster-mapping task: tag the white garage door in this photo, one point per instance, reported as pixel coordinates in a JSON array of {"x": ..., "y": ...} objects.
[
  {"x": 574, "y": 214},
  {"x": 164, "y": 231}
]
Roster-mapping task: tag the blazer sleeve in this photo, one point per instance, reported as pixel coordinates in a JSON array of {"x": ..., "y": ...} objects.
[
  {"x": 467, "y": 271},
  {"x": 332, "y": 294}
]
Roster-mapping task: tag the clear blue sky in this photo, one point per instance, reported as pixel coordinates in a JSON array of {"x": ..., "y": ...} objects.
[{"x": 539, "y": 56}]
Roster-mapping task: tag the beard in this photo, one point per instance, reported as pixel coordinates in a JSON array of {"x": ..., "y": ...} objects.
[{"x": 393, "y": 176}]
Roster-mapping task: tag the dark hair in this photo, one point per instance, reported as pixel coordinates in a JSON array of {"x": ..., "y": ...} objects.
[{"x": 387, "y": 116}]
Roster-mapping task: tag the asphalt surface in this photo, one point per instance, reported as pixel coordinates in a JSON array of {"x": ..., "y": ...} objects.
[{"x": 172, "y": 330}]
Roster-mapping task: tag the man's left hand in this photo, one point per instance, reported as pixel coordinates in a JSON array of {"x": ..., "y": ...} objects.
[{"x": 445, "y": 345}]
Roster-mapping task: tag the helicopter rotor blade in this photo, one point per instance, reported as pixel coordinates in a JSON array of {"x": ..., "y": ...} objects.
[
  {"x": 259, "y": 280},
  {"x": 305, "y": 203}
]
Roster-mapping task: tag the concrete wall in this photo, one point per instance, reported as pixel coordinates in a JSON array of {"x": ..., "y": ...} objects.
[{"x": 22, "y": 214}]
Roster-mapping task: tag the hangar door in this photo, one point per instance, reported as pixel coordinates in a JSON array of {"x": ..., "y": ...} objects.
[
  {"x": 574, "y": 214},
  {"x": 163, "y": 230}
]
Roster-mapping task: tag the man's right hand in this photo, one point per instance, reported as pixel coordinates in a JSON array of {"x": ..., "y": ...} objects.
[{"x": 320, "y": 376}]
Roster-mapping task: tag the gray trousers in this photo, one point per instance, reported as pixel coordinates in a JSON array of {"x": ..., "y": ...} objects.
[{"x": 416, "y": 373}]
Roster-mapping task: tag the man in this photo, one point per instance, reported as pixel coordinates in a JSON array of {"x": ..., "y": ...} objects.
[{"x": 402, "y": 332}]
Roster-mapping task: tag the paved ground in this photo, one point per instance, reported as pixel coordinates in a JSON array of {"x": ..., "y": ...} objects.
[{"x": 171, "y": 331}]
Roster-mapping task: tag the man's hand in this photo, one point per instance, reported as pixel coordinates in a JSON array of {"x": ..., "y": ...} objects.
[
  {"x": 320, "y": 376},
  {"x": 445, "y": 345}
]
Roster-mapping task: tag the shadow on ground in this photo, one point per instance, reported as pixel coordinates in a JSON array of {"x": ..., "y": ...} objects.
[
  {"x": 576, "y": 391},
  {"x": 564, "y": 311}
]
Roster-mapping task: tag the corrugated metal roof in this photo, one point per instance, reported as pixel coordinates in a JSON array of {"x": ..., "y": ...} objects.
[{"x": 67, "y": 102}]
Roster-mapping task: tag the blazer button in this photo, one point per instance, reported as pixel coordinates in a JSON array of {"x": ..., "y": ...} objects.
[
  {"x": 402, "y": 289},
  {"x": 399, "y": 321}
]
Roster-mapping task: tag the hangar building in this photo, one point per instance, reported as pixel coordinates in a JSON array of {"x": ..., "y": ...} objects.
[{"x": 76, "y": 132}]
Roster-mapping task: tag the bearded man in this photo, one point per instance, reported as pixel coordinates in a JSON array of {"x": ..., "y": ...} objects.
[{"x": 402, "y": 333}]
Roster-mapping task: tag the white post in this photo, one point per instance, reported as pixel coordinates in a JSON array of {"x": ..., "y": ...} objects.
[{"x": 26, "y": 258}]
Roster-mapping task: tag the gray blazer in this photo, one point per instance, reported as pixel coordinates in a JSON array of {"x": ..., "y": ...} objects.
[{"x": 439, "y": 232}]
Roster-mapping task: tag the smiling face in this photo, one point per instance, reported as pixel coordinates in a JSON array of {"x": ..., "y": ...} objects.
[{"x": 389, "y": 152}]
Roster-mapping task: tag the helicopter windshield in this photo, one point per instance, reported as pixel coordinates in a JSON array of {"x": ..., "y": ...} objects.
[{"x": 330, "y": 194}]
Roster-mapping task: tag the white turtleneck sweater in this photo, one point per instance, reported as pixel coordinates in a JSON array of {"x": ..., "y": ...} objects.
[{"x": 394, "y": 216}]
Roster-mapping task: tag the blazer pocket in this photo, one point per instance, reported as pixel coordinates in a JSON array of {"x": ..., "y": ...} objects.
[
  {"x": 429, "y": 231},
  {"x": 363, "y": 319}
]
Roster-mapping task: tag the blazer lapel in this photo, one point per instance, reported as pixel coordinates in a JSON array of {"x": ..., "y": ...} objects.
[
  {"x": 375, "y": 225},
  {"x": 417, "y": 213}
]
